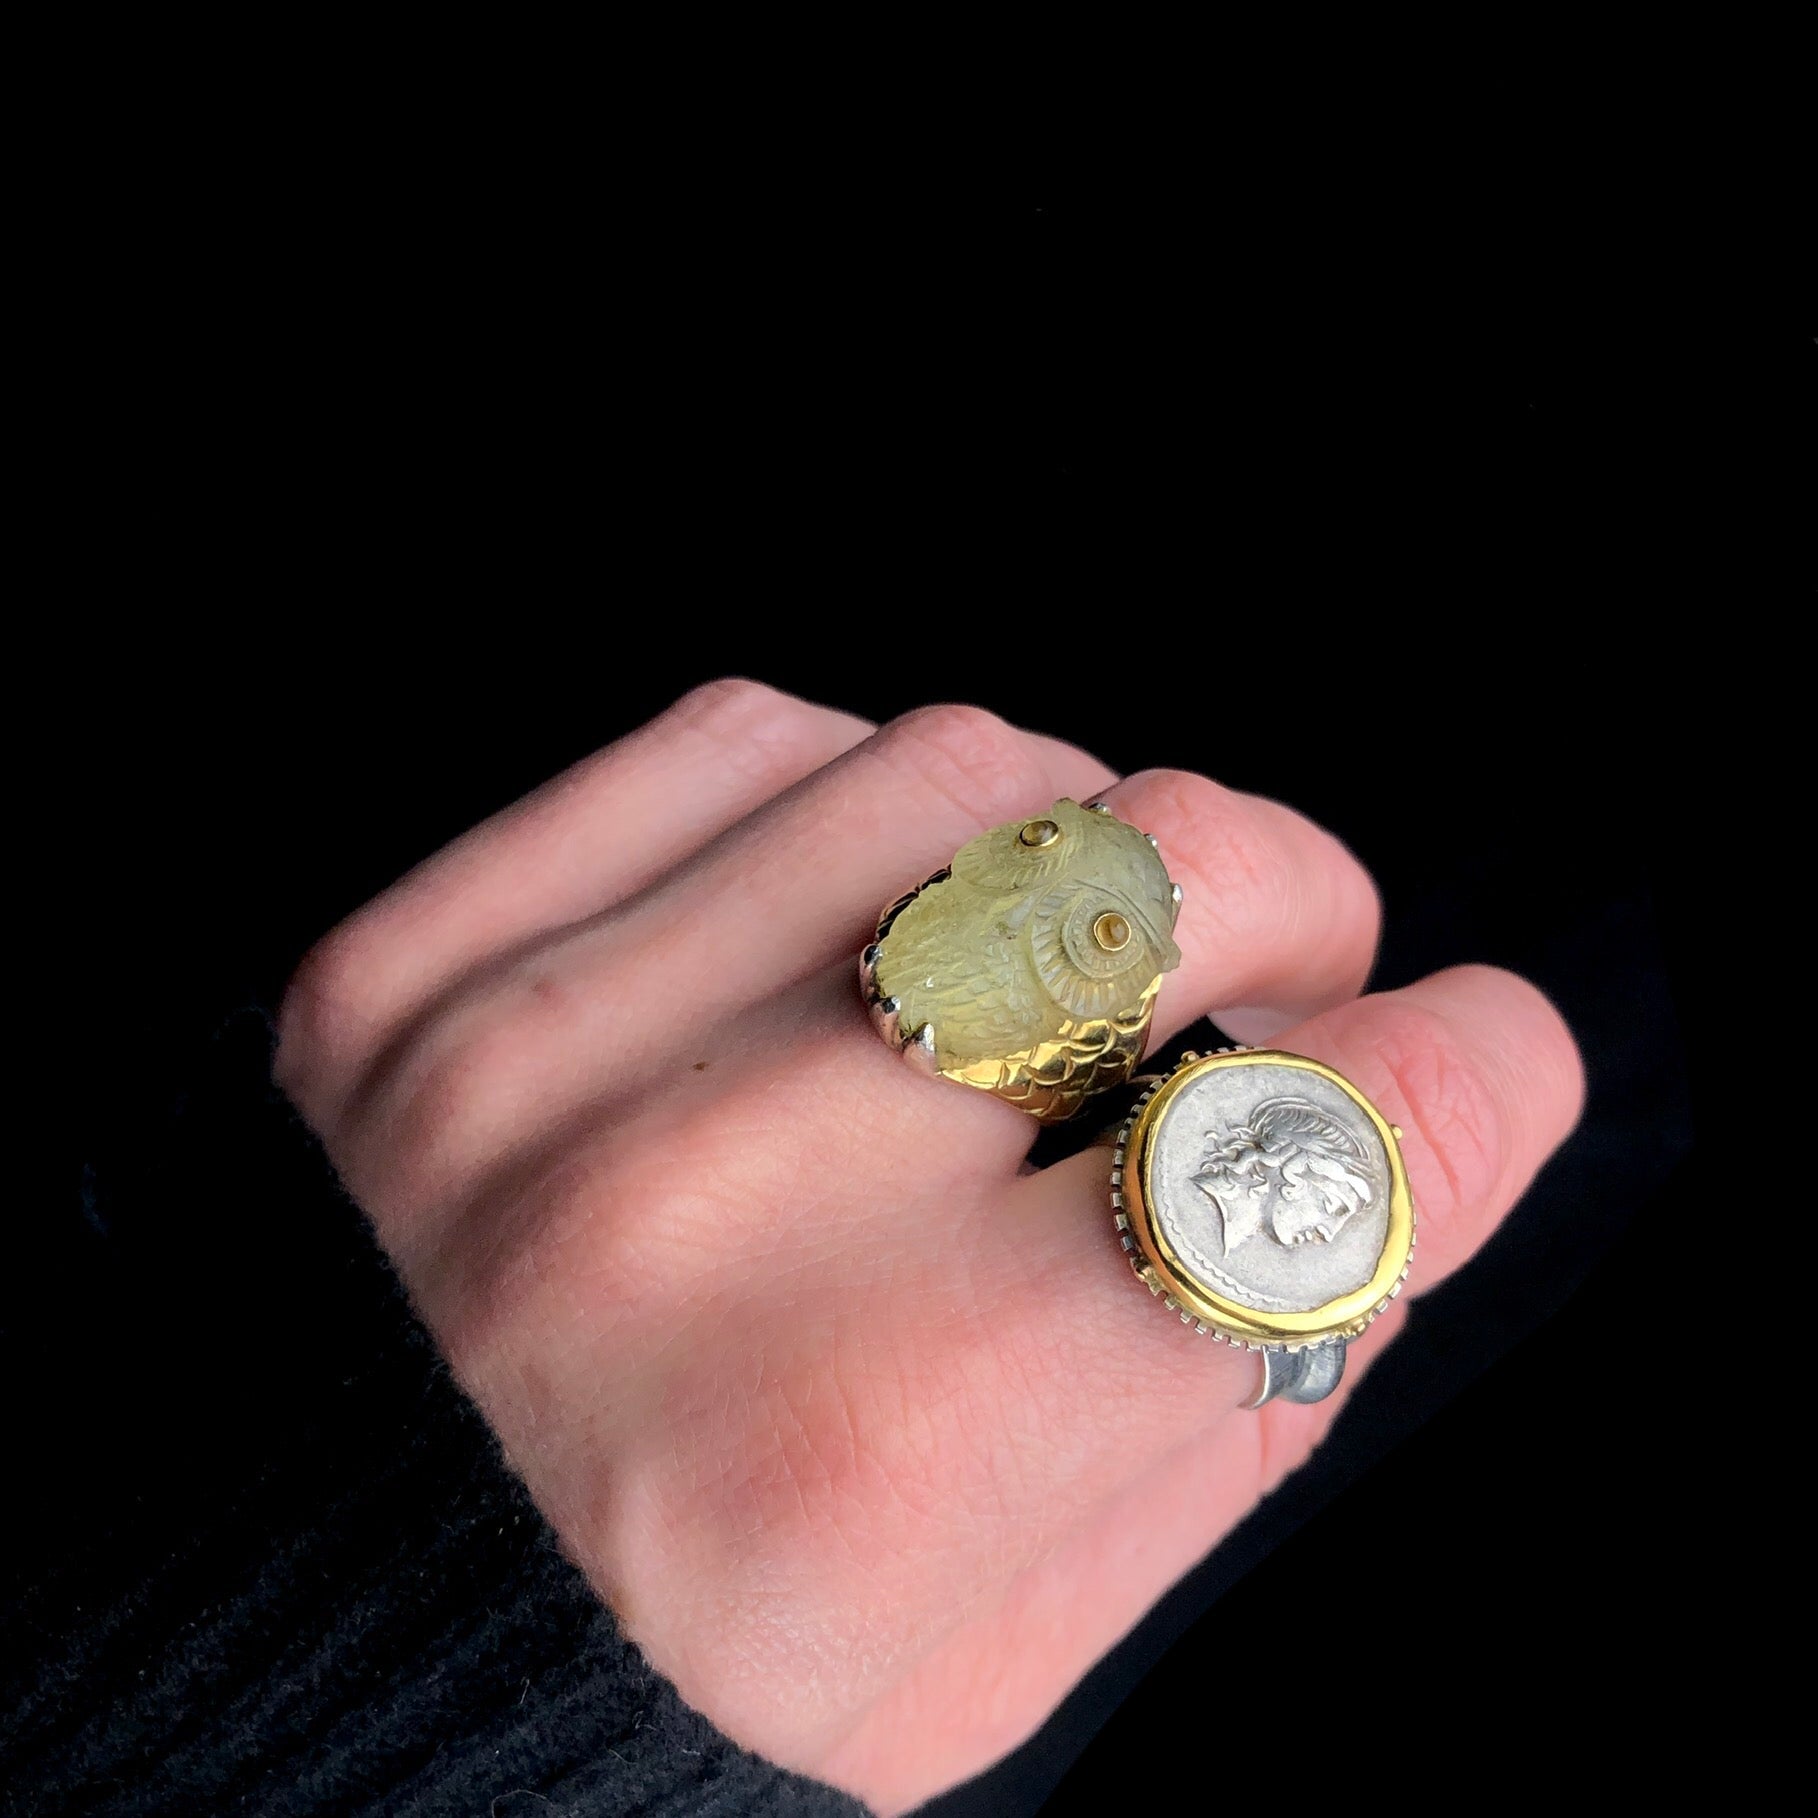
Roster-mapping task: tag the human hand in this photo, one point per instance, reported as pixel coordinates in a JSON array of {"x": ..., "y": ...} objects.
[{"x": 869, "y": 1437}]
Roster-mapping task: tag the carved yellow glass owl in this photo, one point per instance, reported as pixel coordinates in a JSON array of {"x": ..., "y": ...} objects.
[{"x": 1029, "y": 967}]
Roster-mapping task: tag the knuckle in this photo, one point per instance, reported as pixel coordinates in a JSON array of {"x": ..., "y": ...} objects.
[
  {"x": 445, "y": 1103},
  {"x": 754, "y": 727},
  {"x": 1238, "y": 870},
  {"x": 1267, "y": 877},
  {"x": 319, "y": 1010},
  {"x": 603, "y": 1228},
  {"x": 727, "y": 700},
  {"x": 1453, "y": 1109},
  {"x": 1357, "y": 887},
  {"x": 544, "y": 1245},
  {"x": 972, "y": 738},
  {"x": 1538, "y": 1061},
  {"x": 970, "y": 755},
  {"x": 1337, "y": 896}
]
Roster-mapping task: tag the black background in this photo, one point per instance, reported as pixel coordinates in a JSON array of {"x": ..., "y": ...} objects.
[{"x": 409, "y": 495}]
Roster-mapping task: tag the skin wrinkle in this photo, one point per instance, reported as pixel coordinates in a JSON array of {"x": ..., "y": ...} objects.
[
  {"x": 1422, "y": 1120},
  {"x": 1203, "y": 864},
  {"x": 1295, "y": 908},
  {"x": 849, "y": 1463},
  {"x": 854, "y": 1425},
  {"x": 790, "y": 1428},
  {"x": 1432, "y": 1089}
]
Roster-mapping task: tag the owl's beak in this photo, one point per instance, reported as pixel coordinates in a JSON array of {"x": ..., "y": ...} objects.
[{"x": 1161, "y": 938}]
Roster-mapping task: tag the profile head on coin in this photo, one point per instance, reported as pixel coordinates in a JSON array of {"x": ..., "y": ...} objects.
[
  {"x": 1266, "y": 1196},
  {"x": 1293, "y": 1171}
]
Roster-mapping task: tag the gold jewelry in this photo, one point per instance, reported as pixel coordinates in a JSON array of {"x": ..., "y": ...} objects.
[
  {"x": 1263, "y": 1198},
  {"x": 1029, "y": 966}
]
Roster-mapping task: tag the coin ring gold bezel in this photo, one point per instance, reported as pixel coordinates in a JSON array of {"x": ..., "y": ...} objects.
[{"x": 1167, "y": 1274}]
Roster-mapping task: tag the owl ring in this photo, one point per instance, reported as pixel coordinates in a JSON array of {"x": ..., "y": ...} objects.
[
  {"x": 1262, "y": 1197},
  {"x": 1029, "y": 966}
]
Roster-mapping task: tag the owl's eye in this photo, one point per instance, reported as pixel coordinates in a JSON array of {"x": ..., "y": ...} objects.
[
  {"x": 1111, "y": 931},
  {"x": 1038, "y": 833}
]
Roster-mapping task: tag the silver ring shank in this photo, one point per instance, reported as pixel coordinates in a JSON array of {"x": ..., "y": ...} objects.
[{"x": 1309, "y": 1375}]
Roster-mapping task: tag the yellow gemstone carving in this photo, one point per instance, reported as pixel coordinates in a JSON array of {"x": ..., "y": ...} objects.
[{"x": 1029, "y": 968}]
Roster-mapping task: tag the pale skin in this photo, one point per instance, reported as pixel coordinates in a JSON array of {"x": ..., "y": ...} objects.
[{"x": 866, "y": 1432}]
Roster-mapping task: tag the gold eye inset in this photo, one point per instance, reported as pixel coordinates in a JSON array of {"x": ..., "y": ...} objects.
[
  {"x": 1038, "y": 833},
  {"x": 1111, "y": 931}
]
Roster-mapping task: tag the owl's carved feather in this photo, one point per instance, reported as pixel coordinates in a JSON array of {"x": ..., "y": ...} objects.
[{"x": 974, "y": 990}]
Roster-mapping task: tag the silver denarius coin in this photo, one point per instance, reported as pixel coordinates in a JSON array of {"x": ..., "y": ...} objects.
[{"x": 1265, "y": 1197}]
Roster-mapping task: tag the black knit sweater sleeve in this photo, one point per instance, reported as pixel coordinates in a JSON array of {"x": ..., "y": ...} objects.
[{"x": 273, "y": 1562}]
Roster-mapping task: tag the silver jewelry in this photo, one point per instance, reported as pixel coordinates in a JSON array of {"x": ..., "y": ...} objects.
[
  {"x": 1263, "y": 1198},
  {"x": 1309, "y": 1375}
]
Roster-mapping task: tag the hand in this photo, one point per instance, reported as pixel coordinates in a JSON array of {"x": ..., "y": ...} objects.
[{"x": 870, "y": 1437}]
